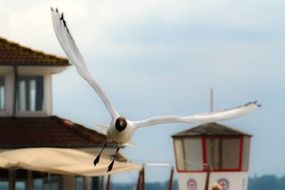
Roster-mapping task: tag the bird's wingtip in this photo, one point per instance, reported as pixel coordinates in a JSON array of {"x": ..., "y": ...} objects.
[{"x": 257, "y": 103}]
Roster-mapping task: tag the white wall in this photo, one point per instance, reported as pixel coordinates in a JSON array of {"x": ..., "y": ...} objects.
[
  {"x": 237, "y": 180},
  {"x": 8, "y": 73}
]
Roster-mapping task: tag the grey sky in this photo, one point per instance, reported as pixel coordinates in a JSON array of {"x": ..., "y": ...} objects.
[{"x": 162, "y": 57}]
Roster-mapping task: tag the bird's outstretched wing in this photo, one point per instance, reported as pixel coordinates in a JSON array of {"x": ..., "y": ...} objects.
[
  {"x": 74, "y": 56},
  {"x": 200, "y": 118}
]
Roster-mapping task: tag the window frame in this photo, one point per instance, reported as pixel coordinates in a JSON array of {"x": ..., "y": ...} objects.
[
  {"x": 239, "y": 153},
  {"x": 182, "y": 163},
  {"x": 30, "y": 112}
]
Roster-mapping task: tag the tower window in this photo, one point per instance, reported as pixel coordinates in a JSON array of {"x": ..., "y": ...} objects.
[
  {"x": 30, "y": 93},
  {"x": 2, "y": 93},
  {"x": 223, "y": 153},
  {"x": 189, "y": 154}
]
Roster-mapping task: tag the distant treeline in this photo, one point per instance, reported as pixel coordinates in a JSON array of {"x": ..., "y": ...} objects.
[
  {"x": 148, "y": 186},
  {"x": 265, "y": 182}
]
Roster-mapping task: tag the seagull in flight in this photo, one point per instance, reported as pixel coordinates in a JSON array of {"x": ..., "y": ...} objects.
[{"x": 122, "y": 129}]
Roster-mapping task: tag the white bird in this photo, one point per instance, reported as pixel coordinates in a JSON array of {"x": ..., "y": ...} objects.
[{"x": 121, "y": 129}]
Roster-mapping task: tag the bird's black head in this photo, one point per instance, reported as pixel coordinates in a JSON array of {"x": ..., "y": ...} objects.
[{"x": 121, "y": 123}]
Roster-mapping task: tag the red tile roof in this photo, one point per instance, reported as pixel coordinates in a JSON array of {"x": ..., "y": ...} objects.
[
  {"x": 14, "y": 54},
  {"x": 23, "y": 132}
]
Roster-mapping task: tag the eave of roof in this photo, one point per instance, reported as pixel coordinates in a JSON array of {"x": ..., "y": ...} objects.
[
  {"x": 53, "y": 131},
  {"x": 12, "y": 53}
]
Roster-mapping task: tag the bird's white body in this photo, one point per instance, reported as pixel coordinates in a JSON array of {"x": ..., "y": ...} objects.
[
  {"x": 120, "y": 137},
  {"x": 121, "y": 129}
]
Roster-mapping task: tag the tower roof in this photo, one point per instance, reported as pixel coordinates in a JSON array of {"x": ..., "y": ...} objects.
[
  {"x": 53, "y": 131},
  {"x": 15, "y": 54},
  {"x": 211, "y": 129}
]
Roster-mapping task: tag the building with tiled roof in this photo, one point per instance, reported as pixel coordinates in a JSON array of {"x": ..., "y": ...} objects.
[{"x": 27, "y": 121}]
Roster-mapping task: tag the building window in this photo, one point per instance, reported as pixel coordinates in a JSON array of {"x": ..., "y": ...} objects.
[
  {"x": 189, "y": 154},
  {"x": 30, "y": 93},
  {"x": 193, "y": 154},
  {"x": 86, "y": 183},
  {"x": 38, "y": 184},
  {"x": 2, "y": 93},
  {"x": 20, "y": 185},
  {"x": 52, "y": 182},
  {"x": 246, "y": 148},
  {"x": 79, "y": 183},
  {"x": 223, "y": 153},
  {"x": 4, "y": 185}
]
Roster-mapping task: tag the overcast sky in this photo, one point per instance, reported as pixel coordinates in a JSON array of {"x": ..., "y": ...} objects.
[{"x": 157, "y": 57}]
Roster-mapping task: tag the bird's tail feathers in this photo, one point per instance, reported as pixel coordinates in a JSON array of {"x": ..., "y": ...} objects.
[{"x": 131, "y": 143}]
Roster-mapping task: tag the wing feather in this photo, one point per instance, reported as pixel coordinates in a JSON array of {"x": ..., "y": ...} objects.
[
  {"x": 200, "y": 118},
  {"x": 70, "y": 48}
]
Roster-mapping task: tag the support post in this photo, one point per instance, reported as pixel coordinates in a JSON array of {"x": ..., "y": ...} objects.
[
  {"x": 102, "y": 182},
  {"x": 211, "y": 100},
  {"x": 15, "y": 95},
  {"x": 143, "y": 179},
  {"x": 85, "y": 182},
  {"x": 95, "y": 183},
  {"x": 108, "y": 185},
  {"x": 139, "y": 180},
  {"x": 207, "y": 182},
  {"x": 170, "y": 186},
  {"x": 12, "y": 179},
  {"x": 29, "y": 180}
]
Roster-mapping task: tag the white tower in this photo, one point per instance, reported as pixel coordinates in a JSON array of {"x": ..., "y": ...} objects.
[{"x": 223, "y": 149}]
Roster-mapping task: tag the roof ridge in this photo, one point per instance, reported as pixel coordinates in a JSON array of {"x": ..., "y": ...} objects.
[{"x": 211, "y": 128}]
